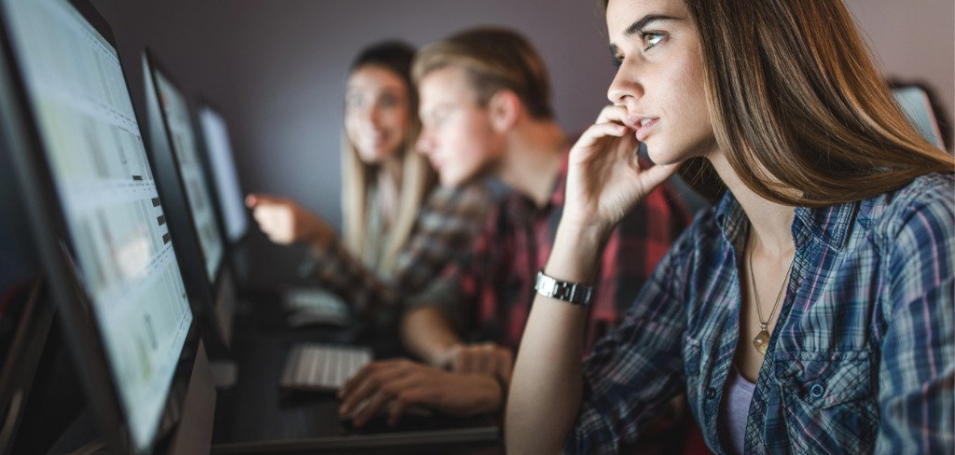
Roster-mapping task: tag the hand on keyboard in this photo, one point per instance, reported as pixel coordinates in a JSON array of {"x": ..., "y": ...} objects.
[
  {"x": 487, "y": 358},
  {"x": 394, "y": 386}
]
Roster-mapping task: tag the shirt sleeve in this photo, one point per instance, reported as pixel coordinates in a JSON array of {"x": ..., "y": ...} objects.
[
  {"x": 455, "y": 293},
  {"x": 637, "y": 367},
  {"x": 917, "y": 370},
  {"x": 446, "y": 227}
]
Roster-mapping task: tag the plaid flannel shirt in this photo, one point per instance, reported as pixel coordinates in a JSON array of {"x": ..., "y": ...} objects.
[
  {"x": 487, "y": 294},
  {"x": 862, "y": 359},
  {"x": 446, "y": 227}
]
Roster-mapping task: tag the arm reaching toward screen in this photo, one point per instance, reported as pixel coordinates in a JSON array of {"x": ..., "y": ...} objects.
[
  {"x": 285, "y": 222},
  {"x": 604, "y": 181}
]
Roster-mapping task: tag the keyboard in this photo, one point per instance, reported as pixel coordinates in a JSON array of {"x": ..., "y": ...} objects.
[
  {"x": 311, "y": 306},
  {"x": 323, "y": 367}
]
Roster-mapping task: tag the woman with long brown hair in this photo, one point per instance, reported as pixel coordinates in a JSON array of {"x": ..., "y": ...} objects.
[{"x": 810, "y": 310}]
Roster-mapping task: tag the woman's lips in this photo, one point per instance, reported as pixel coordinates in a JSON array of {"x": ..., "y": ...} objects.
[{"x": 644, "y": 127}]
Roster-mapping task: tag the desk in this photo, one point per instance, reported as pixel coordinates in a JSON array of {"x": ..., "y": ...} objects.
[{"x": 255, "y": 410}]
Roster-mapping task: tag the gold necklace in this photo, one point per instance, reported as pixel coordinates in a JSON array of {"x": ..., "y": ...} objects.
[{"x": 761, "y": 342}]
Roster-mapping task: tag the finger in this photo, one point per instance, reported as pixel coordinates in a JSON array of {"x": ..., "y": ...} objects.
[
  {"x": 612, "y": 113},
  {"x": 465, "y": 360},
  {"x": 395, "y": 409},
  {"x": 367, "y": 410},
  {"x": 599, "y": 131},
  {"x": 254, "y": 199},
  {"x": 409, "y": 398},
  {"x": 403, "y": 392},
  {"x": 485, "y": 361},
  {"x": 360, "y": 393},
  {"x": 363, "y": 385},
  {"x": 353, "y": 382}
]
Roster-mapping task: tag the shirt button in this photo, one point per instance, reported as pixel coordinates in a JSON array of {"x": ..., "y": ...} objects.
[
  {"x": 817, "y": 390},
  {"x": 710, "y": 393}
]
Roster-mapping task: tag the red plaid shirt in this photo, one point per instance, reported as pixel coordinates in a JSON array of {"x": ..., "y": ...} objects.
[
  {"x": 487, "y": 294},
  {"x": 446, "y": 226}
]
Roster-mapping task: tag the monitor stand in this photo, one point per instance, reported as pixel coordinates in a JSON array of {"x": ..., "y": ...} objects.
[
  {"x": 221, "y": 361},
  {"x": 193, "y": 435}
]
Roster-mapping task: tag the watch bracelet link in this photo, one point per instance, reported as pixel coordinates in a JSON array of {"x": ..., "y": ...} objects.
[{"x": 574, "y": 293}]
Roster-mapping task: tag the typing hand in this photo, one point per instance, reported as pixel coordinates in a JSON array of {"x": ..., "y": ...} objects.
[
  {"x": 391, "y": 387},
  {"x": 285, "y": 222},
  {"x": 486, "y": 358},
  {"x": 604, "y": 179}
]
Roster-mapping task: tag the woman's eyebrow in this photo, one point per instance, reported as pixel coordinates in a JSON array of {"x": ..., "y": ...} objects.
[{"x": 644, "y": 21}]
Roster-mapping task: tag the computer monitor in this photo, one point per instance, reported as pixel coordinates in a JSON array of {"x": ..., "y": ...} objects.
[
  {"x": 218, "y": 146},
  {"x": 184, "y": 142},
  {"x": 182, "y": 181},
  {"x": 69, "y": 126},
  {"x": 917, "y": 107}
]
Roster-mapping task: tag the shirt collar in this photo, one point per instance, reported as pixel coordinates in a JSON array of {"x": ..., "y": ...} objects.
[{"x": 829, "y": 224}]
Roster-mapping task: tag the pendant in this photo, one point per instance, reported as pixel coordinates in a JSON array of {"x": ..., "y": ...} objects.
[{"x": 761, "y": 341}]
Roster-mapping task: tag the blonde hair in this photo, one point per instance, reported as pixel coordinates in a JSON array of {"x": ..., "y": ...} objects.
[
  {"x": 417, "y": 178},
  {"x": 791, "y": 86},
  {"x": 494, "y": 59}
]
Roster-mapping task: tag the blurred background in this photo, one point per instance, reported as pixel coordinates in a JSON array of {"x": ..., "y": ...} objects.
[{"x": 276, "y": 68}]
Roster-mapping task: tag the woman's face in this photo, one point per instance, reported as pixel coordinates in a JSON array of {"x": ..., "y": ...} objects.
[
  {"x": 376, "y": 112},
  {"x": 660, "y": 77}
]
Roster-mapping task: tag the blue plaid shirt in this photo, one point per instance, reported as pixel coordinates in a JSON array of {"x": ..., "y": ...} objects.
[{"x": 862, "y": 358}]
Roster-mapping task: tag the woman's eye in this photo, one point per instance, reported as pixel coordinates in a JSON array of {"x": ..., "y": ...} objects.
[
  {"x": 651, "y": 39},
  {"x": 388, "y": 100}
]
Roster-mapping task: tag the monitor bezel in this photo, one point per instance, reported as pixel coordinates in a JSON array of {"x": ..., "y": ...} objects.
[
  {"x": 23, "y": 140},
  {"x": 186, "y": 239},
  {"x": 151, "y": 88},
  {"x": 202, "y": 103}
]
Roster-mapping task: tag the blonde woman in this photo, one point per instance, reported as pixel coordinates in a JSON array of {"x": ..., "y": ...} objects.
[
  {"x": 398, "y": 230},
  {"x": 811, "y": 310}
]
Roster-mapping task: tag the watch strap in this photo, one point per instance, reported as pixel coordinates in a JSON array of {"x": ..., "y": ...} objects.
[{"x": 575, "y": 293}]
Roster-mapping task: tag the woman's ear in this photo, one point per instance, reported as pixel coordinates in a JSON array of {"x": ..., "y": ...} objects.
[{"x": 504, "y": 108}]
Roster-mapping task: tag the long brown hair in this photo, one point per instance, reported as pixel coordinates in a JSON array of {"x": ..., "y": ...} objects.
[
  {"x": 358, "y": 177},
  {"x": 791, "y": 86}
]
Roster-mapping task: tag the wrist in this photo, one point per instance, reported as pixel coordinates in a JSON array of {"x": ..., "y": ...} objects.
[
  {"x": 320, "y": 239},
  {"x": 493, "y": 395},
  {"x": 576, "y": 252},
  {"x": 440, "y": 355}
]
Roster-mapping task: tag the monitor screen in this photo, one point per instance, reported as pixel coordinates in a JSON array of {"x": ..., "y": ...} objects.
[
  {"x": 90, "y": 137},
  {"x": 231, "y": 200},
  {"x": 184, "y": 144}
]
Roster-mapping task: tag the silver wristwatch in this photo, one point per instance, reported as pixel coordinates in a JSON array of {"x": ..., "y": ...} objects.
[{"x": 576, "y": 293}]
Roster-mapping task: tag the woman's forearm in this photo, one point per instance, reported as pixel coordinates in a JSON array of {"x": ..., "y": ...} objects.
[{"x": 545, "y": 393}]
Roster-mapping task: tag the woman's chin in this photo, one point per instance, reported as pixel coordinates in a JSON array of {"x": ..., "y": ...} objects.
[
  {"x": 659, "y": 155},
  {"x": 375, "y": 156}
]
